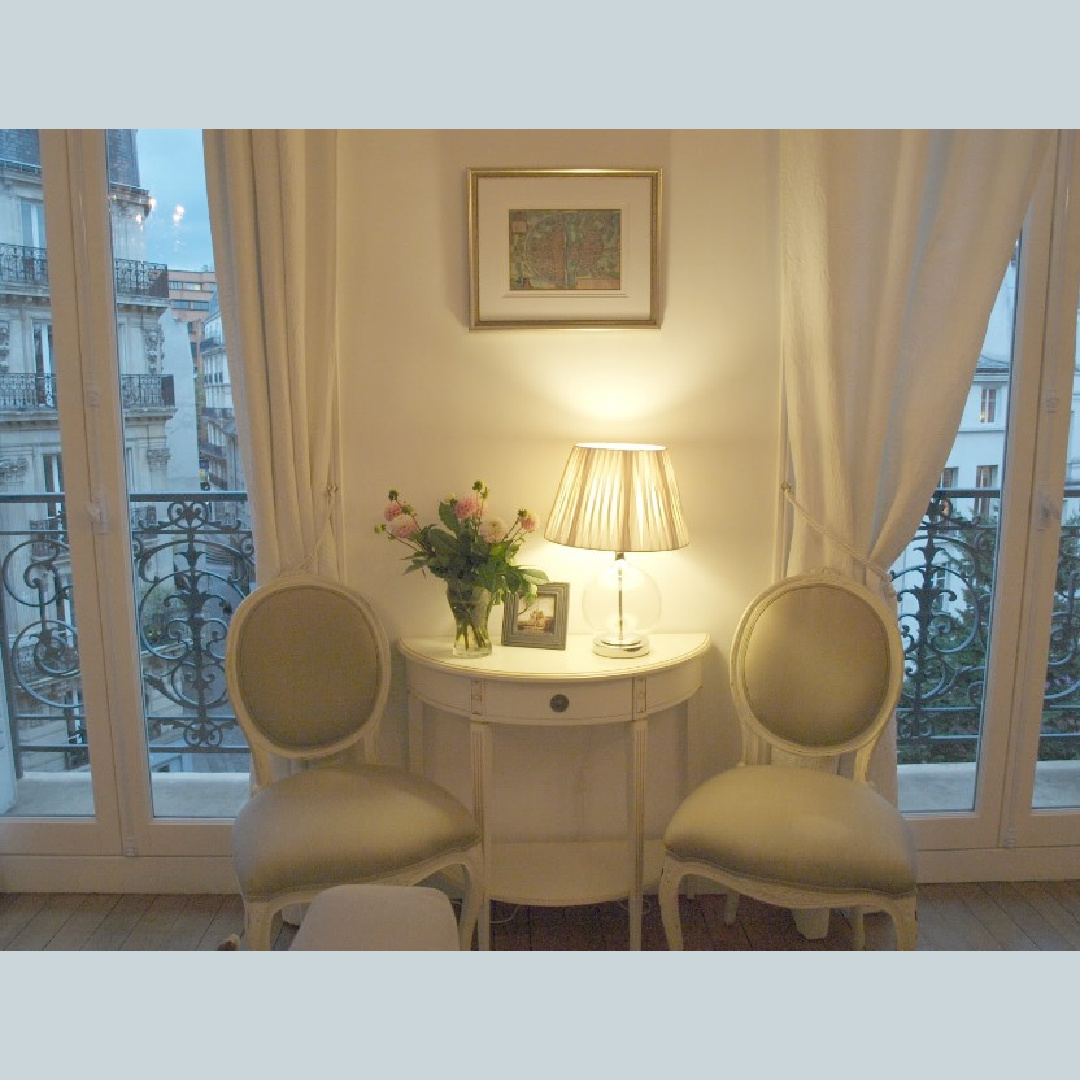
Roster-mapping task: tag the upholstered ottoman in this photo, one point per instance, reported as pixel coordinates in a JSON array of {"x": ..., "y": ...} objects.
[{"x": 376, "y": 918}]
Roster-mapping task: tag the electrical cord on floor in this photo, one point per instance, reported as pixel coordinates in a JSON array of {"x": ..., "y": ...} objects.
[
  {"x": 508, "y": 918},
  {"x": 494, "y": 922}
]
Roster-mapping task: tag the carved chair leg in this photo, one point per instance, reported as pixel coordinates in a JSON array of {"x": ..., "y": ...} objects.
[
  {"x": 906, "y": 921},
  {"x": 731, "y": 907},
  {"x": 668, "y": 894},
  {"x": 258, "y": 919},
  {"x": 472, "y": 902}
]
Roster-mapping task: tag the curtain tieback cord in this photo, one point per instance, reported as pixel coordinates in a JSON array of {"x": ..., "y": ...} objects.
[{"x": 882, "y": 574}]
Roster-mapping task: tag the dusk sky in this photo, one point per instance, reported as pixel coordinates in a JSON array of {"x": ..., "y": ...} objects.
[{"x": 171, "y": 169}]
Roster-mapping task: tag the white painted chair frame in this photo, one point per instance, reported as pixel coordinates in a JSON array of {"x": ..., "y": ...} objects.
[
  {"x": 822, "y": 756},
  {"x": 259, "y": 914}
]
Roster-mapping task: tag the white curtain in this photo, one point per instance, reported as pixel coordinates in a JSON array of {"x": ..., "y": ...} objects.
[
  {"x": 274, "y": 212},
  {"x": 273, "y": 209},
  {"x": 893, "y": 247}
]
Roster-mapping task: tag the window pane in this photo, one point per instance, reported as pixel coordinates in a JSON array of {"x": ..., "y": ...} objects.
[
  {"x": 191, "y": 535},
  {"x": 945, "y": 585},
  {"x": 1057, "y": 770},
  {"x": 44, "y": 752}
]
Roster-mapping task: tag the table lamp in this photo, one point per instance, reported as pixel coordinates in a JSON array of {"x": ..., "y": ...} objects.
[{"x": 619, "y": 497}]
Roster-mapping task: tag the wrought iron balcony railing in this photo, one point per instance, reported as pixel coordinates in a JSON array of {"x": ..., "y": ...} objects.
[
  {"x": 193, "y": 562},
  {"x": 29, "y": 266},
  {"x": 23, "y": 392},
  {"x": 944, "y": 583}
]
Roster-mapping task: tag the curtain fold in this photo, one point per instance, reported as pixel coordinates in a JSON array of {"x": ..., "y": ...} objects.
[
  {"x": 273, "y": 209},
  {"x": 893, "y": 247}
]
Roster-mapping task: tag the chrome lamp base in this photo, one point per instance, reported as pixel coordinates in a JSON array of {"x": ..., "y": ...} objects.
[{"x": 626, "y": 647}]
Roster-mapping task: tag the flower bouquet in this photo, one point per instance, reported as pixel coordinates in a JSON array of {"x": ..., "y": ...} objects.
[{"x": 474, "y": 555}]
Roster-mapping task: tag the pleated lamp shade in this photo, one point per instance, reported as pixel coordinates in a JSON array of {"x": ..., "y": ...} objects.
[{"x": 618, "y": 497}]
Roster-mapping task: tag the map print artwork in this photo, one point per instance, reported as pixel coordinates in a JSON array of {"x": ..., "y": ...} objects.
[{"x": 575, "y": 250}]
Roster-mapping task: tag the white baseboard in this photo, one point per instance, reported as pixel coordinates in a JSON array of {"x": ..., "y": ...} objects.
[
  {"x": 116, "y": 874},
  {"x": 1000, "y": 864}
]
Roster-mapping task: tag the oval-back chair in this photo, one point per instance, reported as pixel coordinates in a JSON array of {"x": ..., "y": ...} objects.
[
  {"x": 817, "y": 665},
  {"x": 308, "y": 672}
]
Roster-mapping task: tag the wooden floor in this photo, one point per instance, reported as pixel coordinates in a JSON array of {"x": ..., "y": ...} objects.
[{"x": 1028, "y": 916}]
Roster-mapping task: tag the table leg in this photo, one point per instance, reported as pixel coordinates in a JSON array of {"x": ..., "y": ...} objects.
[
  {"x": 481, "y": 751},
  {"x": 416, "y": 735},
  {"x": 636, "y": 829}
]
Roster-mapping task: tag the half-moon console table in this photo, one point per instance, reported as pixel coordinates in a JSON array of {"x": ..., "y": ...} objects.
[{"x": 547, "y": 688}]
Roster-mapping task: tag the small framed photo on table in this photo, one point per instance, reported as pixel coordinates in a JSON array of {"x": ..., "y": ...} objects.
[{"x": 541, "y": 624}]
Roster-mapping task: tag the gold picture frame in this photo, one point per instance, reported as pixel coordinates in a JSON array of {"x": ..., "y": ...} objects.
[
  {"x": 541, "y": 624},
  {"x": 558, "y": 248}
]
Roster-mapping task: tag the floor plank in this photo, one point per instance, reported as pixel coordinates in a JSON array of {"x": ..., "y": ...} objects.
[
  {"x": 90, "y": 914},
  {"x": 1067, "y": 893},
  {"x": 118, "y": 924},
  {"x": 192, "y": 923},
  {"x": 988, "y": 916},
  {"x": 964, "y": 930},
  {"x": 17, "y": 910},
  {"x": 993, "y": 917},
  {"x": 227, "y": 920},
  {"x": 1055, "y": 914},
  {"x": 155, "y": 925},
  {"x": 1028, "y": 917},
  {"x": 47, "y": 922},
  {"x": 509, "y": 927}
]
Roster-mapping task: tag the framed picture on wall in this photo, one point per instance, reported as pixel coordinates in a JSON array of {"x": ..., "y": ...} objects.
[
  {"x": 541, "y": 624},
  {"x": 563, "y": 248}
]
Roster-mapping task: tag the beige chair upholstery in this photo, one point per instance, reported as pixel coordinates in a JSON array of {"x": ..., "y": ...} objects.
[
  {"x": 308, "y": 671},
  {"x": 816, "y": 671}
]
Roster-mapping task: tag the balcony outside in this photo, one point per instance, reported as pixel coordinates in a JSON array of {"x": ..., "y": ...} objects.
[{"x": 192, "y": 564}]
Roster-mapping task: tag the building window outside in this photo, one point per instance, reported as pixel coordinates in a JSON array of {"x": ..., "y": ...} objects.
[
  {"x": 949, "y": 477},
  {"x": 33, "y": 222},
  {"x": 985, "y": 477},
  {"x": 988, "y": 405},
  {"x": 45, "y": 384}
]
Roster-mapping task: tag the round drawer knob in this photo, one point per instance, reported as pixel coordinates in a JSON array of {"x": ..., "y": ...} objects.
[{"x": 559, "y": 703}]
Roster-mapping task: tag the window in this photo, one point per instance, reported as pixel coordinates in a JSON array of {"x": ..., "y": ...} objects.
[
  {"x": 138, "y": 687},
  {"x": 949, "y": 477},
  {"x": 986, "y": 476},
  {"x": 33, "y": 222},
  {"x": 45, "y": 380},
  {"x": 988, "y": 405}
]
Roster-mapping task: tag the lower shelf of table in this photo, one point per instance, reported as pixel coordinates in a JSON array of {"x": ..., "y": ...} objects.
[{"x": 561, "y": 873}]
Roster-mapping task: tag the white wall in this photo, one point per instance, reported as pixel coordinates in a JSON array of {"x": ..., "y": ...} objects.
[{"x": 428, "y": 406}]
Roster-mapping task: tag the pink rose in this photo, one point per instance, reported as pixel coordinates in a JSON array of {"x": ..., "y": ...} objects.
[
  {"x": 528, "y": 523},
  {"x": 492, "y": 530},
  {"x": 404, "y": 529},
  {"x": 466, "y": 508},
  {"x": 394, "y": 510}
]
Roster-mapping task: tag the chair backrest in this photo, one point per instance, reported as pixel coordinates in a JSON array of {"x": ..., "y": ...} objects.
[
  {"x": 817, "y": 664},
  {"x": 307, "y": 665}
]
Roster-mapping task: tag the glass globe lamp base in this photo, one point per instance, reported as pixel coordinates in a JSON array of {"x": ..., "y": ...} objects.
[
  {"x": 610, "y": 645},
  {"x": 621, "y": 605}
]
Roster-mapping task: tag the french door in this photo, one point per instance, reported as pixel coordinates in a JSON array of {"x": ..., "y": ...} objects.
[
  {"x": 989, "y": 589},
  {"x": 124, "y": 536}
]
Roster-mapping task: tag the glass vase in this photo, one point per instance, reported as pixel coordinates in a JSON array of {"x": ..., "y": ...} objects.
[{"x": 471, "y": 607}]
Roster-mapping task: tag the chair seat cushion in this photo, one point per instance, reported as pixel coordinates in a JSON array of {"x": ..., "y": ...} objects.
[
  {"x": 328, "y": 826},
  {"x": 375, "y": 918},
  {"x": 797, "y": 827}
]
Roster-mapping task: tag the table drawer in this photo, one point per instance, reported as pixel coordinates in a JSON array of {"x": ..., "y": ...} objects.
[{"x": 558, "y": 702}]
